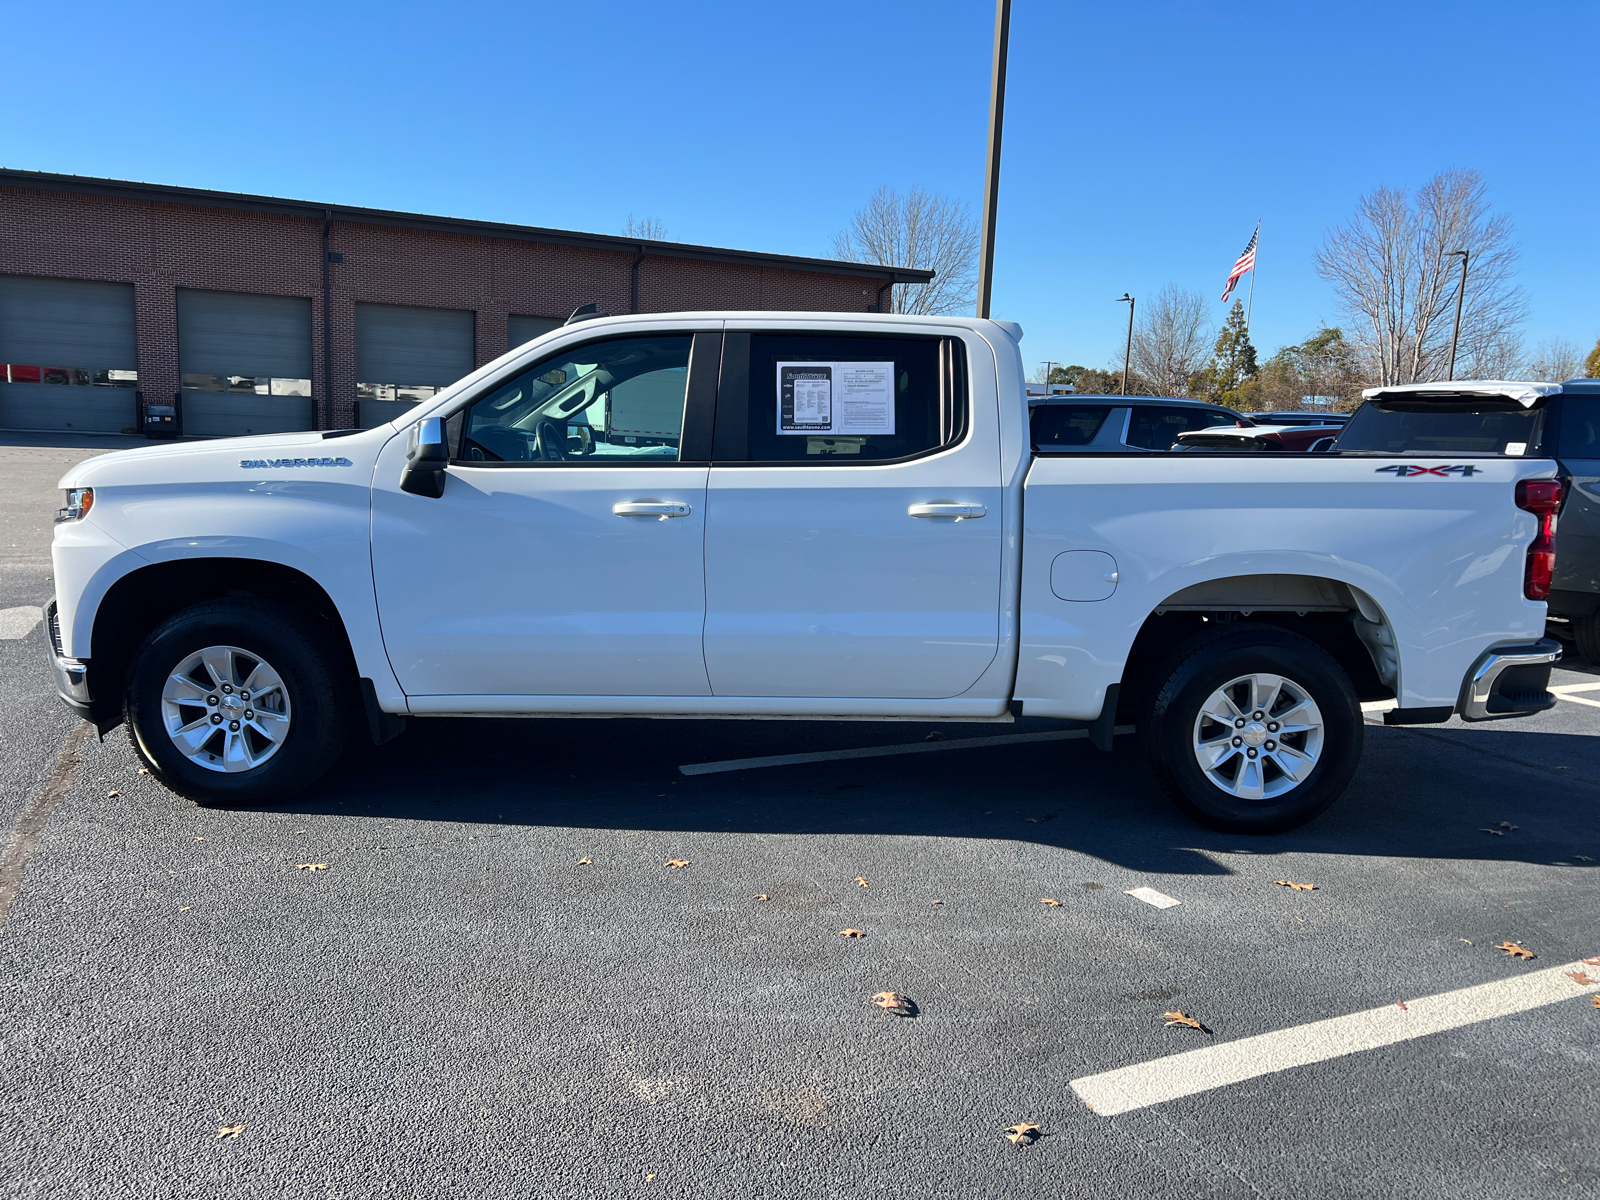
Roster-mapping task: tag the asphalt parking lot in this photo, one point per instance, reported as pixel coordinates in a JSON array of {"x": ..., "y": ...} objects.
[{"x": 461, "y": 966}]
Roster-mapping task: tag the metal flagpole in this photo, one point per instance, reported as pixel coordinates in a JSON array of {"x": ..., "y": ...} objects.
[
  {"x": 991, "y": 181},
  {"x": 1251, "y": 303}
]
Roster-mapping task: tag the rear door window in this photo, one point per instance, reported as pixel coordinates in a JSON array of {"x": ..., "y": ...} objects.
[
  {"x": 1580, "y": 427},
  {"x": 1424, "y": 427},
  {"x": 1066, "y": 424},
  {"x": 1156, "y": 427}
]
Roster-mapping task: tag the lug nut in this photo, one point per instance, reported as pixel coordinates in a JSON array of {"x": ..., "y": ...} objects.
[
  {"x": 227, "y": 687},
  {"x": 1272, "y": 745},
  {"x": 1259, "y": 714},
  {"x": 1250, "y": 753},
  {"x": 216, "y": 718},
  {"x": 233, "y": 726},
  {"x": 244, "y": 695},
  {"x": 1238, "y": 741},
  {"x": 1239, "y": 724},
  {"x": 1272, "y": 727},
  {"x": 211, "y": 699}
]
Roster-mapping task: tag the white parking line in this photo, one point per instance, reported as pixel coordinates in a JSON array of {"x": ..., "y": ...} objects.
[
  {"x": 1562, "y": 689},
  {"x": 789, "y": 760},
  {"x": 18, "y": 623},
  {"x": 1194, "y": 1071}
]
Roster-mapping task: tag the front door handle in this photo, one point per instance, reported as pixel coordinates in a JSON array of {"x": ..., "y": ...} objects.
[
  {"x": 961, "y": 512},
  {"x": 660, "y": 509}
]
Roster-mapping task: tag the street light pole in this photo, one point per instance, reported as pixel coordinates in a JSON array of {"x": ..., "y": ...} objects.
[
  {"x": 1461, "y": 294},
  {"x": 1127, "y": 357},
  {"x": 991, "y": 183}
]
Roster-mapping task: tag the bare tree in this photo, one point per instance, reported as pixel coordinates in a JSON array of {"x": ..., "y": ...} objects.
[
  {"x": 1172, "y": 340},
  {"x": 651, "y": 229},
  {"x": 1555, "y": 359},
  {"x": 919, "y": 229},
  {"x": 1392, "y": 269}
]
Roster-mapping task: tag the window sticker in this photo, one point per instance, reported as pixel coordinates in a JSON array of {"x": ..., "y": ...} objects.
[{"x": 850, "y": 398}]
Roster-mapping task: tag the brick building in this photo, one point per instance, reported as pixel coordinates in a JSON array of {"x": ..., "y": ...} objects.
[{"x": 254, "y": 314}]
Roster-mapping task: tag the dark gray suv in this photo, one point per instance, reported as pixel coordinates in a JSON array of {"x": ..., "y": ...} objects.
[{"x": 1111, "y": 424}]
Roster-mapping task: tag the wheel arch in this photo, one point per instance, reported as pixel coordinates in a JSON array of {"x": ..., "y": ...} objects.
[
  {"x": 1345, "y": 620},
  {"x": 140, "y": 600}
]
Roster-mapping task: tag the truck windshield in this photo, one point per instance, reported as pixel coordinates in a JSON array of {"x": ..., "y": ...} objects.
[{"x": 1455, "y": 427}]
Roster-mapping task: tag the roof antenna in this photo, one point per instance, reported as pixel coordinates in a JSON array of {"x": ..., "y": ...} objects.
[{"x": 586, "y": 312}]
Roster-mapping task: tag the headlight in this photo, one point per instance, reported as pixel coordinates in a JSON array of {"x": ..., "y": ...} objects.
[{"x": 79, "y": 502}]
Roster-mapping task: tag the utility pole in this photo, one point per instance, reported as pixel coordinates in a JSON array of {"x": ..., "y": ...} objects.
[
  {"x": 1127, "y": 357},
  {"x": 991, "y": 183},
  {"x": 1047, "y": 364},
  {"x": 1461, "y": 294}
]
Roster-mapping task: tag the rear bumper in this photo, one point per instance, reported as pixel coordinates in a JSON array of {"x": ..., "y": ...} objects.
[
  {"x": 72, "y": 674},
  {"x": 1511, "y": 680}
]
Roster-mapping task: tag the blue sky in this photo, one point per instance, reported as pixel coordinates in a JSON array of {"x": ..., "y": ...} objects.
[{"x": 1142, "y": 141}]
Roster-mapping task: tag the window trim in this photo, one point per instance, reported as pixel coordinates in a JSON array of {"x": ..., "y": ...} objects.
[
  {"x": 731, "y": 440},
  {"x": 699, "y": 401}
]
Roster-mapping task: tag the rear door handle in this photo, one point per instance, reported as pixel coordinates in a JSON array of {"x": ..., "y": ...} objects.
[
  {"x": 660, "y": 509},
  {"x": 961, "y": 512}
]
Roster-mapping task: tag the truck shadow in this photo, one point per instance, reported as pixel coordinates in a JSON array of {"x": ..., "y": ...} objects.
[{"x": 1418, "y": 797}]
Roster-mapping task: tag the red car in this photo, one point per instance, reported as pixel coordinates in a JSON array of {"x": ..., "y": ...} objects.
[{"x": 1279, "y": 438}]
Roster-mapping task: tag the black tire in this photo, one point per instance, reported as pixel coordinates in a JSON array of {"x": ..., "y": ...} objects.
[
  {"x": 1586, "y": 637},
  {"x": 299, "y": 650},
  {"x": 1169, "y": 727}
]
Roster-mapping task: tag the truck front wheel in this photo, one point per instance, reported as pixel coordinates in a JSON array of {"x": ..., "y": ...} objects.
[
  {"x": 1252, "y": 729},
  {"x": 236, "y": 702}
]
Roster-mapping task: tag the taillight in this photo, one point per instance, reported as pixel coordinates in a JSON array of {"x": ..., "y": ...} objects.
[{"x": 1541, "y": 497}]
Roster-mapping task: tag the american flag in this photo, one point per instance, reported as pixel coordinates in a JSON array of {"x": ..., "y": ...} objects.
[{"x": 1246, "y": 262}]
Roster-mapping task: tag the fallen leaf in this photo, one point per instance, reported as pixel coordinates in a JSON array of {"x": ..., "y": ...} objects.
[
  {"x": 937, "y": 902},
  {"x": 1580, "y": 977},
  {"x": 299, "y": 830},
  {"x": 113, "y": 794},
  {"x": 230, "y": 1131},
  {"x": 860, "y": 882},
  {"x": 902, "y": 1006},
  {"x": 586, "y": 862},
  {"x": 1516, "y": 950},
  {"x": 144, "y": 770},
  {"x": 186, "y": 908},
  {"x": 1595, "y": 1000},
  {"x": 763, "y": 896},
  {"x": 312, "y": 867},
  {"x": 1593, "y": 962},
  {"x": 1505, "y": 825},
  {"x": 851, "y": 933},
  {"x": 677, "y": 863},
  {"x": 1463, "y": 940},
  {"x": 1022, "y": 1134},
  {"x": 199, "y": 839},
  {"x": 1182, "y": 1018},
  {"x": 650, "y": 1177},
  {"x": 1401, "y": 1005},
  {"x": 1299, "y": 887},
  {"x": 1050, "y": 902},
  {"x": 1496, "y": 832}
]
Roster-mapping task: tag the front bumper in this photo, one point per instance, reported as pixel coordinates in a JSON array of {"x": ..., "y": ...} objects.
[
  {"x": 72, "y": 674},
  {"x": 1511, "y": 680}
]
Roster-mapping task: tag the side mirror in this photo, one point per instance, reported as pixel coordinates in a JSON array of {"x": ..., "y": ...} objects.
[{"x": 426, "y": 459}]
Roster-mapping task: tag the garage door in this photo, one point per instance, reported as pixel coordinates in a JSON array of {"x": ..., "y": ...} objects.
[
  {"x": 245, "y": 362},
  {"x": 524, "y": 329},
  {"x": 68, "y": 358},
  {"x": 407, "y": 354}
]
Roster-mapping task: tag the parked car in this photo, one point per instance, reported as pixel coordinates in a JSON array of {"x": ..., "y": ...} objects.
[
  {"x": 1301, "y": 418},
  {"x": 844, "y": 520},
  {"x": 1113, "y": 424},
  {"x": 1280, "y": 438},
  {"x": 1559, "y": 421}
]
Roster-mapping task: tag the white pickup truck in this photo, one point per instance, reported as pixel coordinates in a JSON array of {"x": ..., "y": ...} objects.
[{"x": 836, "y": 516}]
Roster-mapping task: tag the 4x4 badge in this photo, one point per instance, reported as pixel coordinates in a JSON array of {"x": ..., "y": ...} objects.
[{"x": 1412, "y": 470}]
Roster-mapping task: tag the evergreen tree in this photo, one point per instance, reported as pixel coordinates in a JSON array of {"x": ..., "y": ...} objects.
[
  {"x": 1591, "y": 365},
  {"x": 1233, "y": 362}
]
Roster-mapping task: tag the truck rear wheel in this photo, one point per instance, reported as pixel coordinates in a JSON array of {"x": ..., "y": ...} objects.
[
  {"x": 237, "y": 702},
  {"x": 1252, "y": 729},
  {"x": 1586, "y": 636}
]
